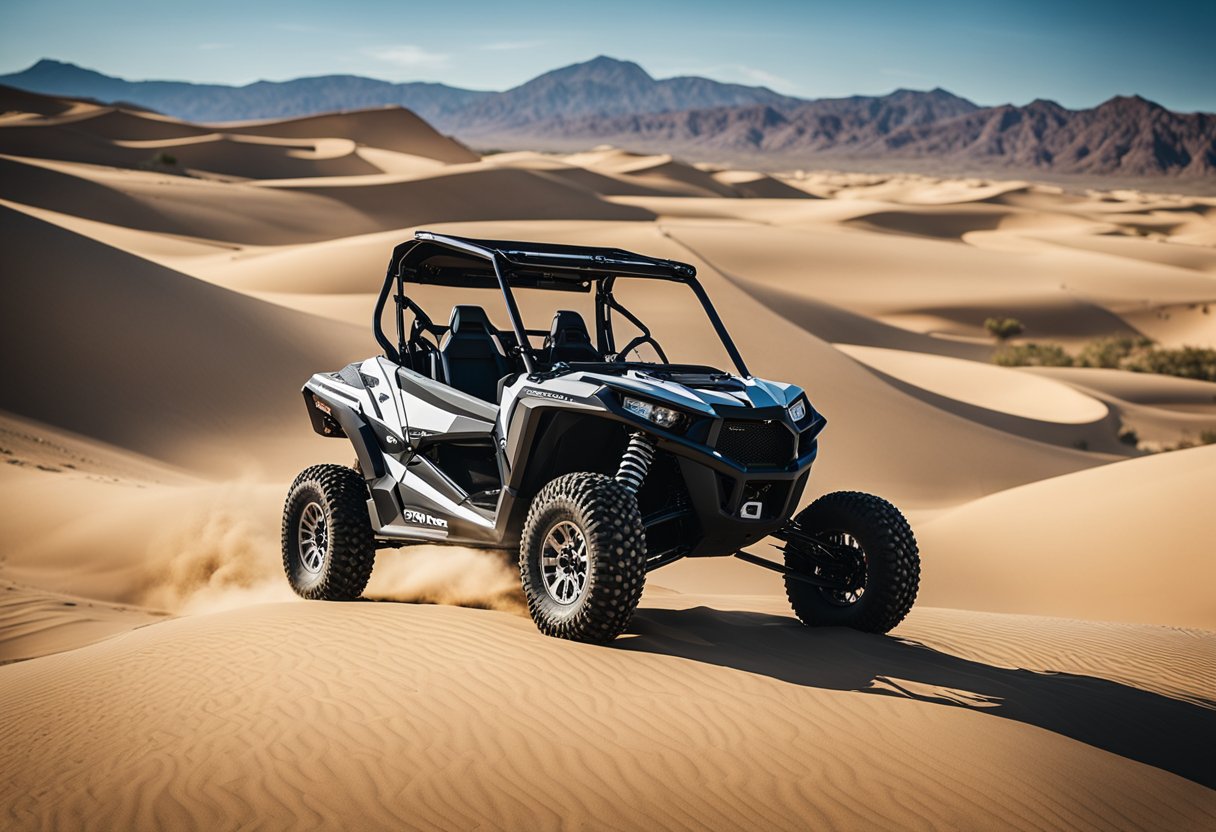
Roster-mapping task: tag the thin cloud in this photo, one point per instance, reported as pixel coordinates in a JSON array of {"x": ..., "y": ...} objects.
[
  {"x": 409, "y": 56},
  {"x": 734, "y": 73},
  {"x": 763, "y": 77}
]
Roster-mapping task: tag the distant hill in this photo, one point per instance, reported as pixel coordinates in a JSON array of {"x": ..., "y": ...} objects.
[
  {"x": 605, "y": 100},
  {"x": 263, "y": 99},
  {"x": 1127, "y": 137},
  {"x": 789, "y": 126},
  {"x": 602, "y": 87}
]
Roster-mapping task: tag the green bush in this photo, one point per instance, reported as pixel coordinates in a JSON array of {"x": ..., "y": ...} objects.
[
  {"x": 1184, "y": 362},
  {"x": 1033, "y": 355},
  {"x": 163, "y": 158},
  {"x": 1206, "y": 437},
  {"x": 1004, "y": 328},
  {"x": 1120, "y": 352},
  {"x": 1112, "y": 351}
]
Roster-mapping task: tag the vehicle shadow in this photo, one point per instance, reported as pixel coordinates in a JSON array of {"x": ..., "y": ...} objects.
[{"x": 1161, "y": 731}]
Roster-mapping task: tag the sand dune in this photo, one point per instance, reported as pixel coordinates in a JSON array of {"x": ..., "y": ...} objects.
[
  {"x": 662, "y": 171},
  {"x": 38, "y": 623},
  {"x": 947, "y": 222},
  {"x": 388, "y": 128},
  {"x": 756, "y": 185},
  {"x": 232, "y": 212},
  {"x": 104, "y": 123},
  {"x": 264, "y": 150},
  {"x": 19, "y": 104},
  {"x": 152, "y": 320},
  {"x": 254, "y": 157},
  {"x": 992, "y": 388},
  {"x": 954, "y": 282},
  {"x": 603, "y": 180},
  {"x": 445, "y": 733},
  {"x": 1160, "y": 409},
  {"x": 156, "y": 327},
  {"x": 468, "y": 194},
  {"x": 1006, "y": 399},
  {"x": 1147, "y": 537}
]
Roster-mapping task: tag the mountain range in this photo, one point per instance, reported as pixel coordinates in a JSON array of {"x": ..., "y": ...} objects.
[{"x": 605, "y": 100}]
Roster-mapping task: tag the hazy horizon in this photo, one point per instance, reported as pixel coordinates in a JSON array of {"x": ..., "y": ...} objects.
[{"x": 1076, "y": 54}]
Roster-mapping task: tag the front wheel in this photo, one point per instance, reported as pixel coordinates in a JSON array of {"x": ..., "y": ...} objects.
[
  {"x": 864, "y": 548},
  {"x": 328, "y": 547},
  {"x": 582, "y": 558}
]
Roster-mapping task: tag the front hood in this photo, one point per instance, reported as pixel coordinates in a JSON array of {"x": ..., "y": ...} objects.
[{"x": 708, "y": 397}]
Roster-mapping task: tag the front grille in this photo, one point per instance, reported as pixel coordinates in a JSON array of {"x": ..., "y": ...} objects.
[{"x": 756, "y": 443}]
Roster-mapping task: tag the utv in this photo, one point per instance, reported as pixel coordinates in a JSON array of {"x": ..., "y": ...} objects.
[{"x": 596, "y": 468}]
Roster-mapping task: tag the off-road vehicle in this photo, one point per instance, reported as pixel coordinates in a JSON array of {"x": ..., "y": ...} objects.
[{"x": 595, "y": 467}]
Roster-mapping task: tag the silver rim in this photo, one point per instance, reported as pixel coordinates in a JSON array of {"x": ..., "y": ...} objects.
[
  {"x": 313, "y": 538},
  {"x": 840, "y": 597},
  {"x": 564, "y": 562}
]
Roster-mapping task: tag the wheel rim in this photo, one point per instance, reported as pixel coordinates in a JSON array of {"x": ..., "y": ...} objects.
[
  {"x": 313, "y": 538},
  {"x": 846, "y": 597},
  {"x": 564, "y": 562}
]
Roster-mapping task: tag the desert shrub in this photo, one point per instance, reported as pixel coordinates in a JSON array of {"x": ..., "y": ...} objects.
[
  {"x": 1184, "y": 362},
  {"x": 1128, "y": 436},
  {"x": 1206, "y": 437},
  {"x": 163, "y": 158},
  {"x": 1112, "y": 351},
  {"x": 1137, "y": 354},
  {"x": 1033, "y": 355},
  {"x": 1004, "y": 328}
]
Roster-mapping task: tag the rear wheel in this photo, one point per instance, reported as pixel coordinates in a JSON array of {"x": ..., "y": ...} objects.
[
  {"x": 328, "y": 548},
  {"x": 864, "y": 546},
  {"x": 582, "y": 558}
]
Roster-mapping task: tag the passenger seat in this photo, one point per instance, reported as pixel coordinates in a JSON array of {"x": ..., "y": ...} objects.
[
  {"x": 569, "y": 340},
  {"x": 470, "y": 356}
]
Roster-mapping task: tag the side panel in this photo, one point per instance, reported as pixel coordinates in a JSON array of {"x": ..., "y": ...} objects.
[
  {"x": 432, "y": 407},
  {"x": 409, "y": 497},
  {"x": 430, "y": 504}
]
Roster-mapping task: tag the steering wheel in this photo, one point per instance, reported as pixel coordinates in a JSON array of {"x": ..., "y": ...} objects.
[{"x": 644, "y": 338}]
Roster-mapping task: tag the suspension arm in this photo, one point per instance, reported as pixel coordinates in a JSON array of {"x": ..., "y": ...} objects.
[{"x": 814, "y": 580}]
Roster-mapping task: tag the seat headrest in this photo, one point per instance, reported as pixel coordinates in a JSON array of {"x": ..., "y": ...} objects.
[
  {"x": 468, "y": 318},
  {"x": 568, "y": 326}
]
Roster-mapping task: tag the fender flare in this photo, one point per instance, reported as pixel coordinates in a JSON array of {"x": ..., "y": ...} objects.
[{"x": 354, "y": 427}]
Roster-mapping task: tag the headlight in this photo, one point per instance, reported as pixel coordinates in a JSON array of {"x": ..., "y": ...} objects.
[
  {"x": 798, "y": 410},
  {"x": 664, "y": 417}
]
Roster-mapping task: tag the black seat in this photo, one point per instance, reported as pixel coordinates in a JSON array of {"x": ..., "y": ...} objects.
[
  {"x": 470, "y": 356},
  {"x": 569, "y": 340}
]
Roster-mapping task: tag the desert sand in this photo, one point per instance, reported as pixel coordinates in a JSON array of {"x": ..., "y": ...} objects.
[{"x": 158, "y": 318}]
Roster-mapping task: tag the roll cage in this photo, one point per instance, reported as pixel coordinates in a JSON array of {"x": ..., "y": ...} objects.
[{"x": 432, "y": 259}]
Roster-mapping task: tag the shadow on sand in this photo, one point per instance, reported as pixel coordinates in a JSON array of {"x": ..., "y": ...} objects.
[{"x": 1160, "y": 731}]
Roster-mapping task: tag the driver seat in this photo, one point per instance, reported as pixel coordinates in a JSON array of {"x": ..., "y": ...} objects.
[
  {"x": 569, "y": 340},
  {"x": 470, "y": 356}
]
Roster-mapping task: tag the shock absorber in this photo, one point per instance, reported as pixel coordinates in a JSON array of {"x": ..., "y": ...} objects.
[{"x": 635, "y": 463}]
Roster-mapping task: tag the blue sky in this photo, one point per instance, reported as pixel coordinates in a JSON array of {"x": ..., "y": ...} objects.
[{"x": 1077, "y": 53}]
